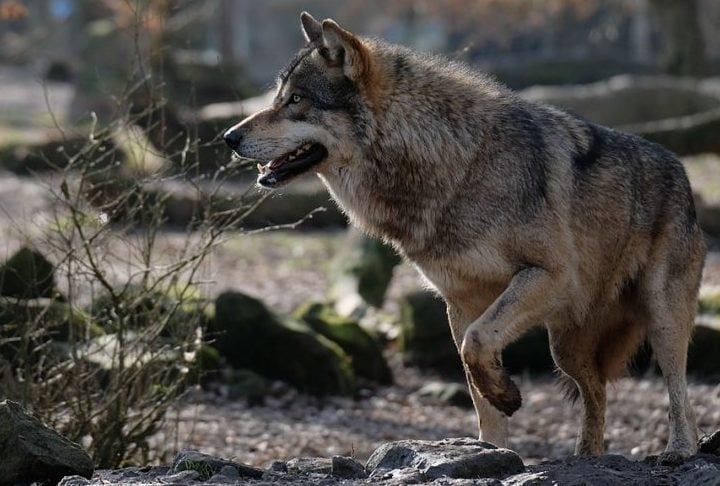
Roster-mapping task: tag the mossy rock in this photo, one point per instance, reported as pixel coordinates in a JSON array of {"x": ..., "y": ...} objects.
[
  {"x": 425, "y": 337},
  {"x": 27, "y": 275},
  {"x": 33, "y": 321},
  {"x": 249, "y": 385},
  {"x": 709, "y": 304},
  {"x": 529, "y": 354},
  {"x": 250, "y": 336},
  {"x": 704, "y": 352},
  {"x": 364, "y": 351},
  {"x": 361, "y": 273},
  {"x": 139, "y": 308},
  {"x": 426, "y": 340},
  {"x": 206, "y": 366}
]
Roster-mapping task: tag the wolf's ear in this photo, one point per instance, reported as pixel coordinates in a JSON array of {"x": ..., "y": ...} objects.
[
  {"x": 312, "y": 29},
  {"x": 342, "y": 48}
]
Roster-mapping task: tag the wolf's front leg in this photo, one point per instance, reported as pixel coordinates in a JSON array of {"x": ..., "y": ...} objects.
[
  {"x": 531, "y": 295},
  {"x": 492, "y": 423}
]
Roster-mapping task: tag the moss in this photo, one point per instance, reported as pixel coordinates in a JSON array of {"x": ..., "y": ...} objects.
[
  {"x": 709, "y": 304},
  {"x": 364, "y": 351},
  {"x": 250, "y": 336}
]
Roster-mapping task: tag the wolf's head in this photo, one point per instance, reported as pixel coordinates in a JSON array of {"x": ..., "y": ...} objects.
[{"x": 322, "y": 99}]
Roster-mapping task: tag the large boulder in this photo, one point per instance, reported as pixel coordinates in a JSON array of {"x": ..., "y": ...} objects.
[
  {"x": 32, "y": 452},
  {"x": 461, "y": 458},
  {"x": 27, "y": 274},
  {"x": 250, "y": 336},
  {"x": 365, "y": 353}
]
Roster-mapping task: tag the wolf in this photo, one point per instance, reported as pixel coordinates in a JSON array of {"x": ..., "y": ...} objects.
[{"x": 518, "y": 214}]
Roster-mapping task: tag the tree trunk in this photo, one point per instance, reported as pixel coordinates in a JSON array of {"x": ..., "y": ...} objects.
[{"x": 684, "y": 44}]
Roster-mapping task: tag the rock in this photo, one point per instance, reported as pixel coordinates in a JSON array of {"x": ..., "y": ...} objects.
[
  {"x": 249, "y": 336},
  {"x": 207, "y": 466},
  {"x": 425, "y": 338},
  {"x": 309, "y": 465},
  {"x": 44, "y": 151},
  {"x": 365, "y": 353},
  {"x": 37, "y": 321},
  {"x": 140, "y": 308},
  {"x": 247, "y": 384},
  {"x": 710, "y": 444},
  {"x": 703, "y": 356},
  {"x": 73, "y": 481},
  {"x": 460, "y": 458},
  {"x": 529, "y": 354},
  {"x": 27, "y": 275},
  {"x": 347, "y": 468},
  {"x": 613, "y": 469},
  {"x": 278, "y": 467},
  {"x": 361, "y": 274},
  {"x": 31, "y": 451}
]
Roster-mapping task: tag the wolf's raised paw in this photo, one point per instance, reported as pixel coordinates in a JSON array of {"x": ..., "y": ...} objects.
[{"x": 497, "y": 388}]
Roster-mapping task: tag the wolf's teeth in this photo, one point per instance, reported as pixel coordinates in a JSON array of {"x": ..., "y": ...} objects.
[
  {"x": 299, "y": 151},
  {"x": 306, "y": 146},
  {"x": 260, "y": 167},
  {"x": 291, "y": 158}
]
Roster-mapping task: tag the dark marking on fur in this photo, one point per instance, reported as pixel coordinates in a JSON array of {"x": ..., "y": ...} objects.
[
  {"x": 287, "y": 71},
  {"x": 584, "y": 160},
  {"x": 527, "y": 132}
]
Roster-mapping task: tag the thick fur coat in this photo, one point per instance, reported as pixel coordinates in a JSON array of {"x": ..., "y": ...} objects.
[{"x": 517, "y": 213}]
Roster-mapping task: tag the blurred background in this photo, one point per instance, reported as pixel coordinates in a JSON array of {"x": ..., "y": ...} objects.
[{"x": 126, "y": 222}]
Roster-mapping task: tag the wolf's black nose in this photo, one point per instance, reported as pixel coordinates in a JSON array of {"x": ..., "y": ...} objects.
[{"x": 232, "y": 138}]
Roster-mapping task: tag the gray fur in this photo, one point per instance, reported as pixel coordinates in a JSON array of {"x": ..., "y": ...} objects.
[{"x": 517, "y": 214}]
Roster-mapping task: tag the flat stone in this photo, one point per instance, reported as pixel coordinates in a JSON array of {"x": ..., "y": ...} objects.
[
  {"x": 347, "y": 468},
  {"x": 207, "y": 466},
  {"x": 309, "y": 465},
  {"x": 461, "y": 458},
  {"x": 32, "y": 452}
]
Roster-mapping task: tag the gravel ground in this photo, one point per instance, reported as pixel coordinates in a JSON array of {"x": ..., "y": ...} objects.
[{"x": 291, "y": 425}]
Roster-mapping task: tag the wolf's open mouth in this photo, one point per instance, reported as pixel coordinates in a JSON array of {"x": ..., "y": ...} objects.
[{"x": 291, "y": 164}]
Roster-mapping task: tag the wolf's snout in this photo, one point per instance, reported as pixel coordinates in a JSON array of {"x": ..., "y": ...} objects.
[{"x": 232, "y": 138}]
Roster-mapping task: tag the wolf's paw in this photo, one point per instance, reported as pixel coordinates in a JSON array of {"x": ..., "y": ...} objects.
[
  {"x": 671, "y": 458},
  {"x": 496, "y": 386}
]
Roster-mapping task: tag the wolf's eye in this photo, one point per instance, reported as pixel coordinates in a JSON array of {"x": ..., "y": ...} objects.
[{"x": 295, "y": 98}]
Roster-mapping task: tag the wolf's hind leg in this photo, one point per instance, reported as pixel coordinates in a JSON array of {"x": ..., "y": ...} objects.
[
  {"x": 669, "y": 292},
  {"x": 669, "y": 332},
  {"x": 574, "y": 350}
]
